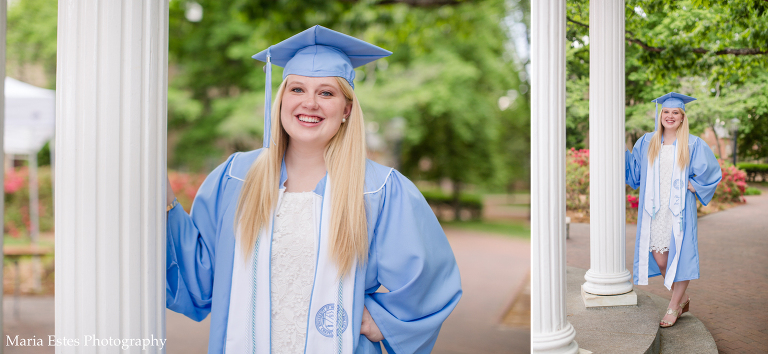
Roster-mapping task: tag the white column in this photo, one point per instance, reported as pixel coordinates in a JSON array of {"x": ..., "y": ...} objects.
[
  {"x": 111, "y": 89},
  {"x": 3, "y": 18},
  {"x": 550, "y": 330},
  {"x": 607, "y": 274}
]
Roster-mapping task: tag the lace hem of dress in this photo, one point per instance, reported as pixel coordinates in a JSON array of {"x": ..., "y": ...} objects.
[{"x": 659, "y": 249}]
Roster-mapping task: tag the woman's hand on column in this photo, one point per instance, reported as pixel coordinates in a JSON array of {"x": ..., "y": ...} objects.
[
  {"x": 690, "y": 187},
  {"x": 369, "y": 328},
  {"x": 169, "y": 193}
]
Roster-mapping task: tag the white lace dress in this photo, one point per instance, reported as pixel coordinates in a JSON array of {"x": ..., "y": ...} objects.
[
  {"x": 293, "y": 268},
  {"x": 661, "y": 226}
]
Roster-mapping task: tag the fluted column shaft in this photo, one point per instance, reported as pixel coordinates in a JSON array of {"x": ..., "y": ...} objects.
[
  {"x": 3, "y": 21},
  {"x": 550, "y": 331},
  {"x": 607, "y": 274},
  {"x": 111, "y": 90}
]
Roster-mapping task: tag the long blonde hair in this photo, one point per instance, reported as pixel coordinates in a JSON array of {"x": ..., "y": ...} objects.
[
  {"x": 682, "y": 141},
  {"x": 345, "y": 158}
]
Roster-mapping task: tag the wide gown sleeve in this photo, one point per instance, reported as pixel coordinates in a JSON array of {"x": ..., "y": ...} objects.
[
  {"x": 415, "y": 263},
  {"x": 705, "y": 172},
  {"x": 191, "y": 249},
  {"x": 632, "y": 161}
]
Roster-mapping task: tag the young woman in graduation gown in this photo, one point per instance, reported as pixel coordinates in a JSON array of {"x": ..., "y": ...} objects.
[
  {"x": 673, "y": 169},
  {"x": 286, "y": 246}
]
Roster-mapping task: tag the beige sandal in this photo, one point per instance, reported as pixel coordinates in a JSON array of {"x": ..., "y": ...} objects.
[
  {"x": 684, "y": 306},
  {"x": 665, "y": 324}
]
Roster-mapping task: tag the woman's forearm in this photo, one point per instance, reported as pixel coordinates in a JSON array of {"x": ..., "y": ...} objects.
[{"x": 169, "y": 193}]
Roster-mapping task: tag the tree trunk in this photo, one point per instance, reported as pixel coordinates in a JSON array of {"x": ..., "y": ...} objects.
[
  {"x": 712, "y": 125},
  {"x": 717, "y": 140},
  {"x": 456, "y": 200}
]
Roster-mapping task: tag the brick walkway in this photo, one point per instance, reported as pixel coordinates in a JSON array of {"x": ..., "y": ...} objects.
[
  {"x": 493, "y": 269},
  {"x": 731, "y": 296}
]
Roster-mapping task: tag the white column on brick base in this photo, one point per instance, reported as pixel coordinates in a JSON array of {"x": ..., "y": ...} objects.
[
  {"x": 550, "y": 330},
  {"x": 111, "y": 89},
  {"x": 607, "y": 274}
]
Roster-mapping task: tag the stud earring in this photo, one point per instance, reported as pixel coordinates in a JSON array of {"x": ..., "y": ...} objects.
[{"x": 344, "y": 120}]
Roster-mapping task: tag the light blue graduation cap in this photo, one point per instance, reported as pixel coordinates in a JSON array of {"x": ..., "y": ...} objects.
[
  {"x": 670, "y": 100},
  {"x": 315, "y": 52}
]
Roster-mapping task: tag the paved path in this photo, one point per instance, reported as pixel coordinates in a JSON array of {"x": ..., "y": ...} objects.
[
  {"x": 730, "y": 298},
  {"x": 493, "y": 269}
]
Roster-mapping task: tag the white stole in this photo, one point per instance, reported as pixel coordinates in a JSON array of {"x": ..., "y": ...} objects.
[
  {"x": 652, "y": 206},
  {"x": 329, "y": 322}
]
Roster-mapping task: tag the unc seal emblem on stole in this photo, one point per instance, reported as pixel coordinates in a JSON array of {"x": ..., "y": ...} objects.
[
  {"x": 325, "y": 320},
  {"x": 676, "y": 183}
]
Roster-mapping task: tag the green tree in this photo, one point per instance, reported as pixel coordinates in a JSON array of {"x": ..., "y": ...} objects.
[
  {"x": 451, "y": 73},
  {"x": 669, "y": 42},
  {"x": 449, "y": 94},
  {"x": 31, "y": 40},
  {"x": 449, "y": 68},
  {"x": 752, "y": 141}
]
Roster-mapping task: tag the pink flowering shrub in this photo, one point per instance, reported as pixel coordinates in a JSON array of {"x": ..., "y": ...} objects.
[
  {"x": 730, "y": 190},
  {"x": 733, "y": 185},
  {"x": 579, "y": 157},
  {"x": 15, "y": 180},
  {"x": 577, "y": 180},
  {"x": 577, "y": 185},
  {"x": 16, "y": 186},
  {"x": 17, "y": 218},
  {"x": 632, "y": 201},
  {"x": 185, "y": 186}
]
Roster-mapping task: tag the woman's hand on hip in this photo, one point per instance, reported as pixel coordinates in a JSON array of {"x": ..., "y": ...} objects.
[
  {"x": 369, "y": 328},
  {"x": 690, "y": 187}
]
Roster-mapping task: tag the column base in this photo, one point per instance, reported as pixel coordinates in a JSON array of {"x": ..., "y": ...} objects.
[
  {"x": 607, "y": 283},
  {"x": 558, "y": 342},
  {"x": 592, "y": 300},
  {"x": 571, "y": 348}
]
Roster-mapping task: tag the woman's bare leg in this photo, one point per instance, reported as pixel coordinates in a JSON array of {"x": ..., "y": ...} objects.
[
  {"x": 661, "y": 260},
  {"x": 678, "y": 292},
  {"x": 678, "y": 288}
]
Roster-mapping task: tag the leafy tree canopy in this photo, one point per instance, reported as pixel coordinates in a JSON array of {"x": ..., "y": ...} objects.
[
  {"x": 713, "y": 50},
  {"x": 31, "y": 39},
  {"x": 453, "y": 77},
  {"x": 449, "y": 69}
]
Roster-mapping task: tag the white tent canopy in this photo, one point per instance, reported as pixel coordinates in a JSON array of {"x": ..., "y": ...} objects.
[{"x": 30, "y": 117}]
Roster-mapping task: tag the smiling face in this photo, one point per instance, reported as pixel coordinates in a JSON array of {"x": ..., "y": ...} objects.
[
  {"x": 671, "y": 118},
  {"x": 312, "y": 109}
]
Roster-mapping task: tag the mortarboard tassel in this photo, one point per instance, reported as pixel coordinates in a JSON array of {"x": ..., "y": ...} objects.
[{"x": 268, "y": 101}]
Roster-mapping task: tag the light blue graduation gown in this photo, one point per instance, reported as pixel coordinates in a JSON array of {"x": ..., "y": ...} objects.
[
  {"x": 703, "y": 172},
  {"x": 408, "y": 254}
]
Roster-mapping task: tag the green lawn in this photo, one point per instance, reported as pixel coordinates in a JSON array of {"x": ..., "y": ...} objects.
[{"x": 510, "y": 228}]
